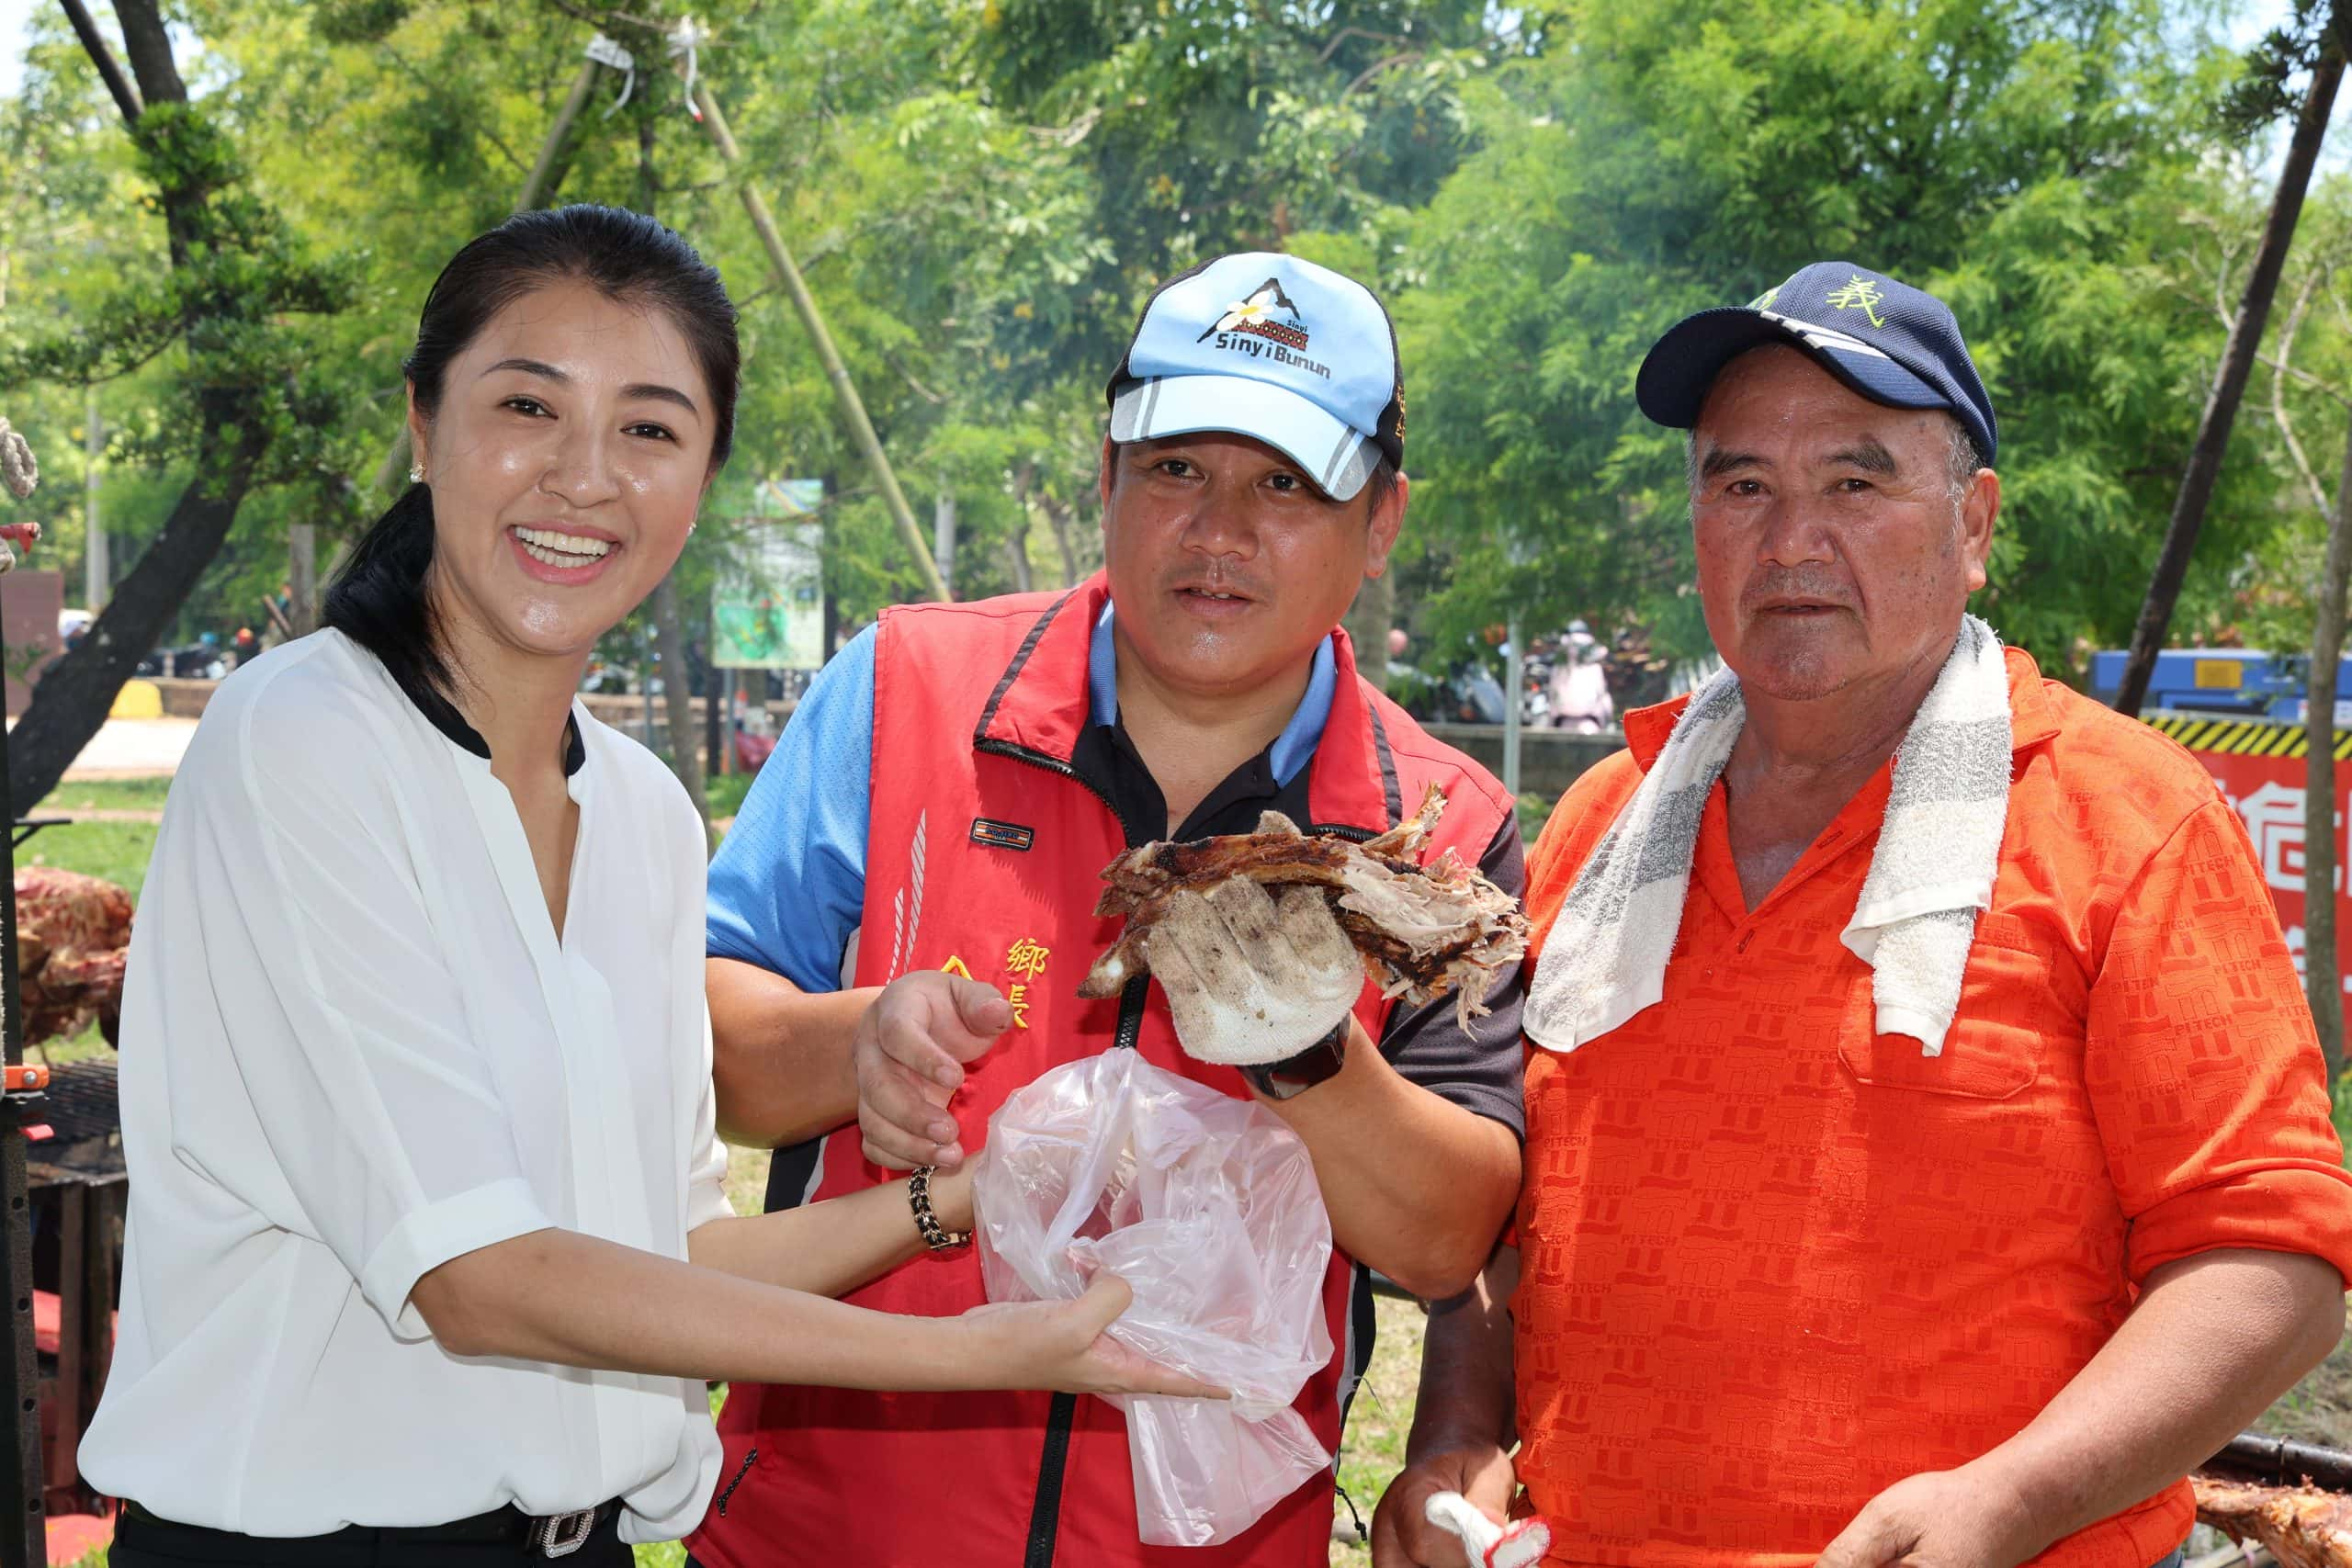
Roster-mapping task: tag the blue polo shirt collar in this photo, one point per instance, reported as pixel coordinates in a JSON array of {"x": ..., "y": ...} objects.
[{"x": 1292, "y": 750}]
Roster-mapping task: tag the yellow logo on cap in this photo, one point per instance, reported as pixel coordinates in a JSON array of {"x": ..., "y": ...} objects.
[{"x": 1860, "y": 294}]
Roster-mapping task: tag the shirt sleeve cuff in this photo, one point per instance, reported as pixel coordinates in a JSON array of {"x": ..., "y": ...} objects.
[
  {"x": 431, "y": 1236},
  {"x": 1487, "y": 1100},
  {"x": 2304, "y": 1207}
]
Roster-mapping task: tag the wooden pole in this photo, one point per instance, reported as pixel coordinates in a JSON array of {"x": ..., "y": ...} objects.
[
  {"x": 2323, "y": 982},
  {"x": 544, "y": 175},
  {"x": 853, "y": 407},
  {"x": 943, "y": 533},
  {"x": 23, "y": 1519}
]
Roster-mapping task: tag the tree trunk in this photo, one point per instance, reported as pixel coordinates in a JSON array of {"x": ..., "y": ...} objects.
[
  {"x": 828, "y": 609},
  {"x": 677, "y": 697},
  {"x": 2229, "y": 388},
  {"x": 99, "y": 574},
  {"x": 2323, "y": 975},
  {"x": 1059, "y": 516},
  {"x": 1024, "y": 479},
  {"x": 77, "y": 692},
  {"x": 717, "y": 690},
  {"x": 1369, "y": 619},
  {"x": 302, "y": 578},
  {"x": 93, "y": 43},
  {"x": 1016, "y": 549},
  {"x": 669, "y": 622}
]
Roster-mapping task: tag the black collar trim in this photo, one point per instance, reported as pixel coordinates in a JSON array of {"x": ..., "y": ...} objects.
[{"x": 443, "y": 715}]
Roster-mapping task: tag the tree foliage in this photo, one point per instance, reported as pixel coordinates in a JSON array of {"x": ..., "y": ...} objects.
[
  {"x": 2034, "y": 165},
  {"x": 982, "y": 194}
]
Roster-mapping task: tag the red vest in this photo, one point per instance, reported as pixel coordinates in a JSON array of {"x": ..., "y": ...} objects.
[{"x": 985, "y": 850}]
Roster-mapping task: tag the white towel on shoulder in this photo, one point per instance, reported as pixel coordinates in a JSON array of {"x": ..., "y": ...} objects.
[{"x": 1932, "y": 870}]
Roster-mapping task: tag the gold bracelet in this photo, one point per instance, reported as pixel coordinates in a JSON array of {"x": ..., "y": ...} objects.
[{"x": 935, "y": 1236}]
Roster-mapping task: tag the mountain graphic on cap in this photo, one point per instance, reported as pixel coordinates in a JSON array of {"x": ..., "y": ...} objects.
[{"x": 1262, "y": 299}]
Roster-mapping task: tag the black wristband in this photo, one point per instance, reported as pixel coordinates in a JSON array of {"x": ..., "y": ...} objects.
[
  {"x": 935, "y": 1236},
  {"x": 1295, "y": 1075}
]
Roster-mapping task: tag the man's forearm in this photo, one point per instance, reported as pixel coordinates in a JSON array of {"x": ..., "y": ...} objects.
[
  {"x": 1416, "y": 1188},
  {"x": 2215, "y": 1339},
  {"x": 780, "y": 1056},
  {"x": 1468, "y": 1398}
]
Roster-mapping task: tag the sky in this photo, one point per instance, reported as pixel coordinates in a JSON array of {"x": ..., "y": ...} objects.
[{"x": 14, "y": 15}]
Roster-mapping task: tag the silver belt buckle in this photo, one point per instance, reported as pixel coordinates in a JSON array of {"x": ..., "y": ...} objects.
[{"x": 560, "y": 1535}]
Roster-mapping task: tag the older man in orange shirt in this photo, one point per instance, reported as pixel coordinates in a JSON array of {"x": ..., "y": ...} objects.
[{"x": 1929, "y": 1156}]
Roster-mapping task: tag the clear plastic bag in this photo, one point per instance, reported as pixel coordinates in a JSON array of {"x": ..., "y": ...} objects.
[{"x": 1207, "y": 1207}]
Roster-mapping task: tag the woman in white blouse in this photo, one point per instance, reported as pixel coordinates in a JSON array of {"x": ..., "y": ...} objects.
[{"x": 428, "y": 1259}]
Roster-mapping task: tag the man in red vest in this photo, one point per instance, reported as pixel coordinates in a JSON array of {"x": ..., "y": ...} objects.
[{"x": 901, "y": 917}]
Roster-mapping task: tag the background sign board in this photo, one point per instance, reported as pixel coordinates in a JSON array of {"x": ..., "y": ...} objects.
[
  {"x": 2258, "y": 767},
  {"x": 768, "y": 612}
]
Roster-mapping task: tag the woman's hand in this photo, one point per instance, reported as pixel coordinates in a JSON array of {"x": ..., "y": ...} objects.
[{"x": 1062, "y": 1345}]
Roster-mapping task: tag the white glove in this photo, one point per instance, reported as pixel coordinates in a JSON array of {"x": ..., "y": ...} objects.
[
  {"x": 1519, "y": 1544},
  {"x": 1251, "y": 980}
]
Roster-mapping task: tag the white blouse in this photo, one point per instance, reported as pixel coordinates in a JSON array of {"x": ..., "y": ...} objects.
[{"x": 353, "y": 1048}]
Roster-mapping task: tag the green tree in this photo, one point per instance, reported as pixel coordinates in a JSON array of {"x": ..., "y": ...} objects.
[
  {"x": 2029, "y": 164},
  {"x": 2315, "y": 43},
  {"x": 229, "y": 275}
]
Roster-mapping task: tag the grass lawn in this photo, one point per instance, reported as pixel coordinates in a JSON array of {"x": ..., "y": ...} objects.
[
  {"x": 108, "y": 794},
  {"x": 725, "y": 794},
  {"x": 114, "y": 849},
  {"x": 117, "y": 852}
]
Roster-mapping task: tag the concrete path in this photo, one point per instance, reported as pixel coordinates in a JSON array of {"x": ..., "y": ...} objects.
[{"x": 134, "y": 748}]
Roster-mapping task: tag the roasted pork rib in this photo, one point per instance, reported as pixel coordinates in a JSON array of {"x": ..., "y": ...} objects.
[
  {"x": 2302, "y": 1526},
  {"x": 1425, "y": 932}
]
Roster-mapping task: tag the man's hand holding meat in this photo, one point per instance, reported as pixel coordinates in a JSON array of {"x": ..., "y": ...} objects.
[{"x": 1252, "y": 980}]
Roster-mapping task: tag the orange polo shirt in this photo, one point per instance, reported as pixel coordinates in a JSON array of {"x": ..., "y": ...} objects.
[{"x": 1772, "y": 1262}]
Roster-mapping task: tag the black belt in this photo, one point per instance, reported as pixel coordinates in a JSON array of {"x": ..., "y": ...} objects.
[{"x": 554, "y": 1535}]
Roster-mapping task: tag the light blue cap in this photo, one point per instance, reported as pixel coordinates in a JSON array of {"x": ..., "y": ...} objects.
[{"x": 1271, "y": 347}]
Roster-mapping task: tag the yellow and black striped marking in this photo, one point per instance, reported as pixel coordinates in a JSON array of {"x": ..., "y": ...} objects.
[{"x": 2246, "y": 736}]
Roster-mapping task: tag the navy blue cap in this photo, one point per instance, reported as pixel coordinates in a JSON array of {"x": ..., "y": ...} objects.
[{"x": 1886, "y": 340}]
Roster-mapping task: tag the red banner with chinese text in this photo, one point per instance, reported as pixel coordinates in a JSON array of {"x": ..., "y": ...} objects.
[{"x": 2268, "y": 793}]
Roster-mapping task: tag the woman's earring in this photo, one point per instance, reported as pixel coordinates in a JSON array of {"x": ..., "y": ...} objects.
[{"x": 416, "y": 473}]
